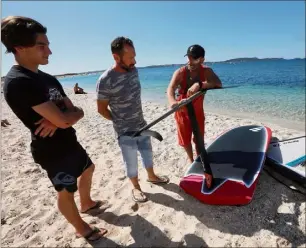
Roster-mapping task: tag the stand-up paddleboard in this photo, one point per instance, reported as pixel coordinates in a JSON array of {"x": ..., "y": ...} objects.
[
  {"x": 236, "y": 158},
  {"x": 288, "y": 158}
]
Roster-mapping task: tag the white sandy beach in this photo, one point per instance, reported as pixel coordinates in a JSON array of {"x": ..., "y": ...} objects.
[{"x": 171, "y": 218}]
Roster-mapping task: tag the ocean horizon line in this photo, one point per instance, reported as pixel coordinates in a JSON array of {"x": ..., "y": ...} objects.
[
  {"x": 234, "y": 60},
  {"x": 237, "y": 60}
]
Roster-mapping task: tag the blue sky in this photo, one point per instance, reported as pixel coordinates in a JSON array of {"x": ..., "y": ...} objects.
[{"x": 80, "y": 32}]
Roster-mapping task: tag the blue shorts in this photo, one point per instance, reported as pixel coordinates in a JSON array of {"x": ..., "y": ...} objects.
[{"x": 129, "y": 147}]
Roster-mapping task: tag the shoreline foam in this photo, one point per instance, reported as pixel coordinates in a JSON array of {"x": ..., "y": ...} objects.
[{"x": 251, "y": 116}]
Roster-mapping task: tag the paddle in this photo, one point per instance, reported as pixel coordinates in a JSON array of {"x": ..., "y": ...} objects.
[
  {"x": 278, "y": 141},
  {"x": 209, "y": 180},
  {"x": 171, "y": 111},
  {"x": 199, "y": 140},
  {"x": 284, "y": 170}
]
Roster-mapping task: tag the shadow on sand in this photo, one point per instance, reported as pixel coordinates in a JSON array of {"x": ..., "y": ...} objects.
[
  {"x": 144, "y": 233},
  {"x": 260, "y": 214}
]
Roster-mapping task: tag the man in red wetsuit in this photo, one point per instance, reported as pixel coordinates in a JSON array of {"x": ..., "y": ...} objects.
[{"x": 189, "y": 79}]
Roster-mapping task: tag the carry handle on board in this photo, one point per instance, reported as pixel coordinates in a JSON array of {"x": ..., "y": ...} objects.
[{"x": 199, "y": 139}]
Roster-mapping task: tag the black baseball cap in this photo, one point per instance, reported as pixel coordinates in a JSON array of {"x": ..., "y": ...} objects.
[{"x": 195, "y": 51}]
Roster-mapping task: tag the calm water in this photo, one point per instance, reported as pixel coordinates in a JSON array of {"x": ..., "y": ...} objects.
[{"x": 269, "y": 89}]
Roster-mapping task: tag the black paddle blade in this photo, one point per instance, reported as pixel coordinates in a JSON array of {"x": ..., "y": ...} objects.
[{"x": 153, "y": 134}]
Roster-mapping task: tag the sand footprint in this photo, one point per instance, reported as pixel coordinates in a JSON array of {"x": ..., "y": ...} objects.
[
  {"x": 36, "y": 239},
  {"x": 108, "y": 163},
  {"x": 16, "y": 218},
  {"x": 41, "y": 215}
]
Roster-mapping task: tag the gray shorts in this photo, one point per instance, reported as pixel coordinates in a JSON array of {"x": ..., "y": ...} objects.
[{"x": 129, "y": 147}]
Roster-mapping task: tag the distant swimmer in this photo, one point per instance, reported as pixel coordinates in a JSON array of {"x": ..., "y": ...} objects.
[{"x": 189, "y": 79}]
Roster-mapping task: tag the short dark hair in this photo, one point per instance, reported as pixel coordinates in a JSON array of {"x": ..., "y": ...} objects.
[
  {"x": 117, "y": 44},
  {"x": 20, "y": 31}
]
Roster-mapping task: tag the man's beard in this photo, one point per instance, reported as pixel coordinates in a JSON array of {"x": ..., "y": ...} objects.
[
  {"x": 194, "y": 66},
  {"x": 126, "y": 67}
]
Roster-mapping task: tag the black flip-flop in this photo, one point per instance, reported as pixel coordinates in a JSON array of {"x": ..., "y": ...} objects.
[
  {"x": 162, "y": 180},
  {"x": 92, "y": 232},
  {"x": 144, "y": 199},
  {"x": 97, "y": 205}
]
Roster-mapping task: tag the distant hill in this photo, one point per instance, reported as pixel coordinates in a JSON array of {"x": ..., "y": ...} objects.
[
  {"x": 229, "y": 60},
  {"x": 78, "y": 73},
  {"x": 250, "y": 59},
  {"x": 175, "y": 65},
  {"x": 246, "y": 59},
  {"x": 166, "y": 65},
  {"x": 255, "y": 59}
]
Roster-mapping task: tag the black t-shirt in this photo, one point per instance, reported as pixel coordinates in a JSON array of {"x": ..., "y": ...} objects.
[{"x": 24, "y": 89}]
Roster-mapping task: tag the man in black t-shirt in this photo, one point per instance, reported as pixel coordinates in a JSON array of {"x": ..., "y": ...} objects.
[{"x": 40, "y": 102}]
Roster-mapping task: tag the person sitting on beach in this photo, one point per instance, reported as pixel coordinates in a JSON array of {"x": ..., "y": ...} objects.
[
  {"x": 189, "y": 79},
  {"x": 78, "y": 90},
  {"x": 39, "y": 101},
  {"x": 119, "y": 89}
]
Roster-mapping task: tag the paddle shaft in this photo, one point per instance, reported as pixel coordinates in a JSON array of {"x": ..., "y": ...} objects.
[
  {"x": 285, "y": 171},
  {"x": 197, "y": 134},
  {"x": 199, "y": 140},
  {"x": 279, "y": 141},
  {"x": 183, "y": 103}
]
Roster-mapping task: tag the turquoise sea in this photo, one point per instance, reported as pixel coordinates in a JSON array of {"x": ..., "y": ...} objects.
[{"x": 269, "y": 90}]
